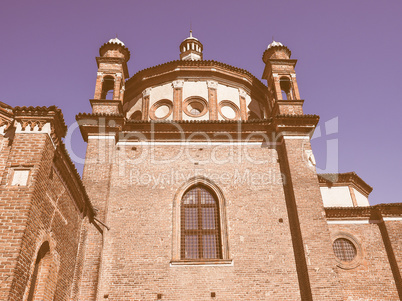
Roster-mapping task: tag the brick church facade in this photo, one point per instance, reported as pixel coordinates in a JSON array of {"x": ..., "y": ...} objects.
[{"x": 199, "y": 184}]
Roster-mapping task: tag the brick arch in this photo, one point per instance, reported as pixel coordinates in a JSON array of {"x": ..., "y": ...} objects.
[{"x": 213, "y": 187}]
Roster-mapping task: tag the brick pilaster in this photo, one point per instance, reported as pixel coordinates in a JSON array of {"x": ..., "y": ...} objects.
[
  {"x": 178, "y": 99},
  {"x": 310, "y": 233},
  {"x": 243, "y": 105},
  {"x": 213, "y": 99},
  {"x": 145, "y": 104}
]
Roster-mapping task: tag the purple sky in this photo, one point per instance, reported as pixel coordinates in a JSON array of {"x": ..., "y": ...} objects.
[{"x": 349, "y": 65}]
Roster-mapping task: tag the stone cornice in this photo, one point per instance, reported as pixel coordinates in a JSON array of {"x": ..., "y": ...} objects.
[
  {"x": 99, "y": 124},
  {"x": 117, "y": 126},
  {"x": 291, "y": 62},
  {"x": 295, "y": 124},
  {"x": 376, "y": 212},
  {"x": 348, "y": 178},
  {"x": 115, "y": 60}
]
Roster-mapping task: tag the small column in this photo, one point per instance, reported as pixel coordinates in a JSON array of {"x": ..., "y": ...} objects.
[
  {"x": 117, "y": 83},
  {"x": 98, "y": 86},
  {"x": 278, "y": 89},
  {"x": 296, "y": 93},
  {"x": 243, "y": 105},
  {"x": 177, "y": 99},
  {"x": 145, "y": 103},
  {"x": 213, "y": 99},
  {"x": 123, "y": 88}
]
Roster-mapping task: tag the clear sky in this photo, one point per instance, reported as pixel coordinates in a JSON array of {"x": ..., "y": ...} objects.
[{"x": 349, "y": 68}]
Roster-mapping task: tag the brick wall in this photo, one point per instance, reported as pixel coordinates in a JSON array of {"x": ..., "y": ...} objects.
[
  {"x": 373, "y": 277},
  {"x": 137, "y": 250},
  {"x": 48, "y": 210}
]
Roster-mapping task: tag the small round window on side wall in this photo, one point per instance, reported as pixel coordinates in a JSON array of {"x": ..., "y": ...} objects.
[
  {"x": 344, "y": 249},
  {"x": 347, "y": 251}
]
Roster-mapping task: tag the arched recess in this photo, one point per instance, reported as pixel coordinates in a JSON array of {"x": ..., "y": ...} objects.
[
  {"x": 208, "y": 184},
  {"x": 43, "y": 278}
]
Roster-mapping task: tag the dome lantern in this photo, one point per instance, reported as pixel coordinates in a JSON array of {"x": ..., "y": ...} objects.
[{"x": 191, "y": 49}]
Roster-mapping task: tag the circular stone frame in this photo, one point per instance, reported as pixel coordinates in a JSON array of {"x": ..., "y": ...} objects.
[
  {"x": 158, "y": 104},
  {"x": 348, "y": 265},
  {"x": 199, "y": 100},
  {"x": 232, "y": 105}
]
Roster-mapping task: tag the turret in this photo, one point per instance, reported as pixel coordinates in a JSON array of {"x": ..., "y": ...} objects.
[
  {"x": 280, "y": 74},
  {"x": 112, "y": 70}
]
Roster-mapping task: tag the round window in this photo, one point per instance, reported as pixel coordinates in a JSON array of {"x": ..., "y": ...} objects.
[
  {"x": 229, "y": 110},
  {"x": 195, "y": 106},
  {"x": 162, "y": 111},
  {"x": 344, "y": 249}
]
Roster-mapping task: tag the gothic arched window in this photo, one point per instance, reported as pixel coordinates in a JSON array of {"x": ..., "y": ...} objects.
[{"x": 200, "y": 225}]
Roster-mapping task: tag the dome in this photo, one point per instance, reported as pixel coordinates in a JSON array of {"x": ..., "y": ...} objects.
[
  {"x": 114, "y": 48},
  {"x": 276, "y": 50},
  {"x": 274, "y": 43},
  {"x": 116, "y": 41}
]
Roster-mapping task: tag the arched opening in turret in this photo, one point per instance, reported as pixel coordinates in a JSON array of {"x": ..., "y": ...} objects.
[
  {"x": 286, "y": 88},
  {"x": 107, "y": 87}
]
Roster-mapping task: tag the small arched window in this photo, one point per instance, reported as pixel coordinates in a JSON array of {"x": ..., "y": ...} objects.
[
  {"x": 200, "y": 225},
  {"x": 107, "y": 87}
]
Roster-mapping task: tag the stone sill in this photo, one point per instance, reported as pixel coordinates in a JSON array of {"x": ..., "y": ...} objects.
[{"x": 214, "y": 262}]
